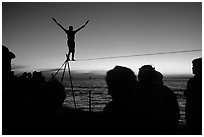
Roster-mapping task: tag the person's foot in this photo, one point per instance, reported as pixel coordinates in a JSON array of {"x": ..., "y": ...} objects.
[
  {"x": 67, "y": 57},
  {"x": 73, "y": 60}
]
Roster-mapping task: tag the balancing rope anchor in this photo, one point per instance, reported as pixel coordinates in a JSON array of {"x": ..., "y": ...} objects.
[{"x": 66, "y": 63}]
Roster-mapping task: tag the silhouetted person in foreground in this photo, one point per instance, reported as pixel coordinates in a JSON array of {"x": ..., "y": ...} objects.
[
  {"x": 71, "y": 36},
  {"x": 123, "y": 113},
  {"x": 55, "y": 96},
  {"x": 11, "y": 99},
  {"x": 52, "y": 121},
  {"x": 160, "y": 102},
  {"x": 193, "y": 95},
  {"x": 7, "y": 56}
]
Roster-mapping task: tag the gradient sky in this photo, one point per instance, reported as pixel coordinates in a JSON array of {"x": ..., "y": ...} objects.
[{"x": 115, "y": 29}]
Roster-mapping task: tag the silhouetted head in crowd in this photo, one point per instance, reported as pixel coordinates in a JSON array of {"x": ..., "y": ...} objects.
[
  {"x": 121, "y": 82},
  {"x": 38, "y": 77},
  {"x": 7, "y": 56},
  {"x": 197, "y": 66},
  {"x": 146, "y": 74},
  {"x": 25, "y": 74},
  {"x": 37, "y": 74},
  {"x": 54, "y": 94},
  {"x": 29, "y": 75}
]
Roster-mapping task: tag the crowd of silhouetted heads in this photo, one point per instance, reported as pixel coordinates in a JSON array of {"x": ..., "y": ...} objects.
[
  {"x": 140, "y": 105},
  {"x": 147, "y": 104}
]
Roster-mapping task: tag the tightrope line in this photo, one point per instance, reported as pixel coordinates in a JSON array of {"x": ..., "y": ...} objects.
[{"x": 146, "y": 54}]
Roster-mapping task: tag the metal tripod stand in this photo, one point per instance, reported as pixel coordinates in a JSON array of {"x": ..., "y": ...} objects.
[{"x": 66, "y": 63}]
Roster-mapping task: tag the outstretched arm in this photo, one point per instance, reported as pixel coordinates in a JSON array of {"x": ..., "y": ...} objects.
[
  {"x": 59, "y": 24},
  {"x": 82, "y": 26}
]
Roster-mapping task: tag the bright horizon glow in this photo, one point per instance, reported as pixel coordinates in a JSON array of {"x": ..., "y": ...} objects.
[{"x": 115, "y": 29}]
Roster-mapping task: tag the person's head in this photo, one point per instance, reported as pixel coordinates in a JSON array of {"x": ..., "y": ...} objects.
[
  {"x": 197, "y": 66},
  {"x": 7, "y": 56},
  {"x": 70, "y": 27},
  {"x": 146, "y": 74},
  {"x": 120, "y": 81},
  {"x": 29, "y": 75}
]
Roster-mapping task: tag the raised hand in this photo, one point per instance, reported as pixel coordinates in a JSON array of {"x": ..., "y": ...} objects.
[
  {"x": 59, "y": 24},
  {"x": 87, "y": 22}
]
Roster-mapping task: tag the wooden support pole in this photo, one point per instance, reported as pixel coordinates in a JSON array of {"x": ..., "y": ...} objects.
[
  {"x": 63, "y": 73},
  {"x": 70, "y": 77}
]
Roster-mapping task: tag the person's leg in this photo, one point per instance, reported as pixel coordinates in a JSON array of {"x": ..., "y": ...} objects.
[
  {"x": 73, "y": 51},
  {"x": 73, "y": 55},
  {"x": 68, "y": 55},
  {"x": 68, "y": 45}
]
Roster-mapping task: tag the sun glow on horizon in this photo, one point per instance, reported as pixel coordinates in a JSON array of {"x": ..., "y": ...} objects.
[{"x": 167, "y": 64}]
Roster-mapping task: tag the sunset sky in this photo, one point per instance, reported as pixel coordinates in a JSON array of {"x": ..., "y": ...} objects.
[{"x": 115, "y": 29}]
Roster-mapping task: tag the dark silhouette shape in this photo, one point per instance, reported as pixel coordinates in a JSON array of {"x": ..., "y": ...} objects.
[
  {"x": 36, "y": 89},
  {"x": 71, "y": 36},
  {"x": 55, "y": 95},
  {"x": 158, "y": 78},
  {"x": 31, "y": 105},
  {"x": 193, "y": 95},
  {"x": 119, "y": 80},
  {"x": 146, "y": 74},
  {"x": 160, "y": 101},
  {"x": 12, "y": 101},
  {"x": 7, "y": 56},
  {"x": 123, "y": 113}
]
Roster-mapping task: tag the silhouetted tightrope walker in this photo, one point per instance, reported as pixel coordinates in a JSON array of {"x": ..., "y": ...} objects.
[{"x": 70, "y": 37}]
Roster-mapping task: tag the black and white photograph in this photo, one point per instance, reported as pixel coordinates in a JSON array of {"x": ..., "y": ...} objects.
[{"x": 101, "y": 68}]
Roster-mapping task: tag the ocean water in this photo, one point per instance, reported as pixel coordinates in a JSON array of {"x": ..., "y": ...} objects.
[{"x": 92, "y": 95}]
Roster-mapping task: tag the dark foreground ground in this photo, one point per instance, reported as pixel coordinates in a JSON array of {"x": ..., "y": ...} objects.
[{"x": 75, "y": 122}]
